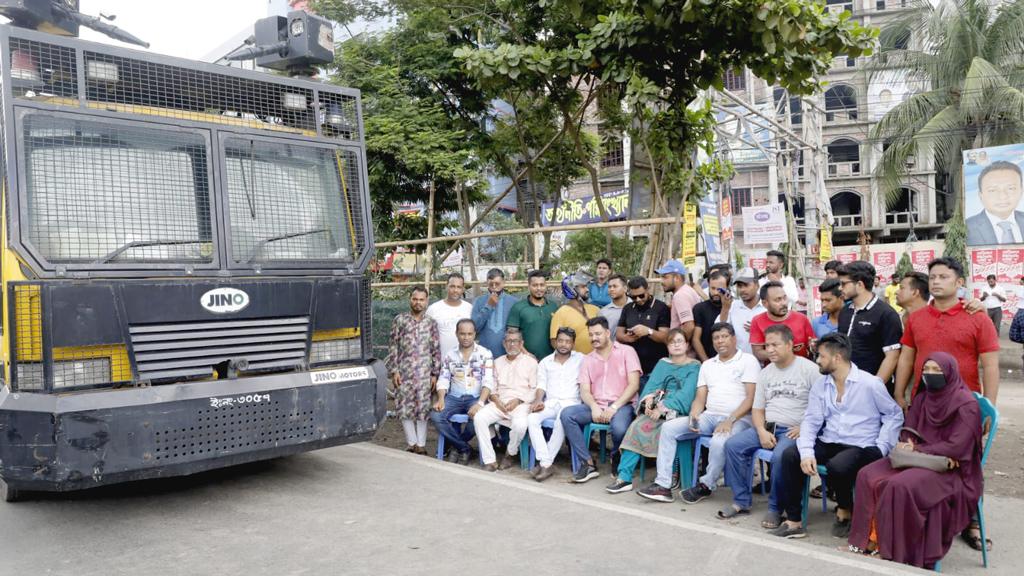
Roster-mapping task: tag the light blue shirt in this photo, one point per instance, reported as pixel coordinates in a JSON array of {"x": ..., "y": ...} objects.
[
  {"x": 823, "y": 326},
  {"x": 866, "y": 417},
  {"x": 465, "y": 378},
  {"x": 599, "y": 294},
  {"x": 490, "y": 321}
]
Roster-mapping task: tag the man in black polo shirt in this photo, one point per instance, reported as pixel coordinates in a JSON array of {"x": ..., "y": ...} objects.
[
  {"x": 709, "y": 312},
  {"x": 644, "y": 325},
  {"x": 873, "y": 326}
]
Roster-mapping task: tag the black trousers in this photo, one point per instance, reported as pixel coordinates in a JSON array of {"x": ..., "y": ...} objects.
[{"x": 842, "y": 462}]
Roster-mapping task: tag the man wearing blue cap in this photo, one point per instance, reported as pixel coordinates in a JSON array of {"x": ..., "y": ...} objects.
[{"x": 684, "y": 298}]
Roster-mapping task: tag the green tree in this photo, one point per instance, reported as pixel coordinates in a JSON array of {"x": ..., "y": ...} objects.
[
  {"x": 502, "y": 249},
  {"x": 904, "y": 266},
  {"x": 968, "y": 54},
  {"x": 956, "y": 237},
  {"x": 584, "y": 248}
]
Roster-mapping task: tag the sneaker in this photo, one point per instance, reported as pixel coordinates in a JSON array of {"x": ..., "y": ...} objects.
[
  {"x": 657, "y": 493},
  {"x": 618, "y": 487},
  {"x": 544, "y": 473},
  {"x": 465, "y": 457},
  {"x": 841, "y": 528},
  {"x": 586, "y": 473},
  {"x": 492, "y": 467},
  {"x": 675, "y": 481},
  {"x": 696, "y": 493},
  {"x": 506, "y": 462},
  {"x": 535, "y": 471},
  {"x": 786, "y": 531},
  {"x": 453, "y": 456}
]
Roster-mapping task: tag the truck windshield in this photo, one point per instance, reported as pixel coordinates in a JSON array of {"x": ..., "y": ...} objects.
[
  {"x": 290, "y": 202},
  {"x": 112, "y": 193}
]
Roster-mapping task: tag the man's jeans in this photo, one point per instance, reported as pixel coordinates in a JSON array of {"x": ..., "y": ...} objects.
[
  {"x": 452, "y": 406},
  {"x": 574, "y": 418},
  {"x": 739, "y": 459},
  {"x": 674, "y": 431}
]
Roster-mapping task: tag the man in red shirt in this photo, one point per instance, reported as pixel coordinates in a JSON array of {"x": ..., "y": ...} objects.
[
  {"x": 944, "y": 326},
  {"x": 776, "y": 302}
]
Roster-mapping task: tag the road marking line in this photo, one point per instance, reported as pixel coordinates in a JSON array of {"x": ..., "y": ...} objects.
[{"x": 834, "y": 557}]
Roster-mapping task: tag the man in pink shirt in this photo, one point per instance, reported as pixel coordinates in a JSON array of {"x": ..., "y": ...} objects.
[
  {"x": 684, "y": 298},
  {"x": 609, "y": 379},
  {"x": 509, "y": 403}
]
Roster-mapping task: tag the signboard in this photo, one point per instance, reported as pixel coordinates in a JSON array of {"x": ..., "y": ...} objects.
[
  {"x": 983, "y": 263},
  {"x": 726, "y": 218},
  {"x": 758, "y": 263},
  {"x": 1008, "y": 267},
  {"x": 690, "y": 234},
  {"x": 993, "y": 192},
  {"x": 710, "y": 230},
  {"x": 825, "y": 243},
  {"x": 584, "y": 210},
  {"x": 765, "y": 224}
]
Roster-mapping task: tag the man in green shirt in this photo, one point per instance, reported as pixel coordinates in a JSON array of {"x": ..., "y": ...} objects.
[{"x": 533, "y": 317}]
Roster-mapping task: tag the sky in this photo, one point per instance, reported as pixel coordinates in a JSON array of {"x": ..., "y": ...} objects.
[{"x": 183, "y": 28}]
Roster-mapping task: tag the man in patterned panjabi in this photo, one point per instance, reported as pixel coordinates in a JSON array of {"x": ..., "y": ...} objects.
[{"x": 414, "y": 362}]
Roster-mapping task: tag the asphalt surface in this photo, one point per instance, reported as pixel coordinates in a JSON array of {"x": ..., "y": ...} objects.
[{"x": 365, "y": 509}]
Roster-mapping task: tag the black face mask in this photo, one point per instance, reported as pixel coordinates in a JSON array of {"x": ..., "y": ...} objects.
[{"x": 933, "y": 382}]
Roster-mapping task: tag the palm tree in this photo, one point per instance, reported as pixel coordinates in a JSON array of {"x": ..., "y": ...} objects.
[{"x": 968, "y": 56}]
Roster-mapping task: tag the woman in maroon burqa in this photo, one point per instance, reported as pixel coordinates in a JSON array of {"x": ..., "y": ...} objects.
[{"x": 912, "y": 515}]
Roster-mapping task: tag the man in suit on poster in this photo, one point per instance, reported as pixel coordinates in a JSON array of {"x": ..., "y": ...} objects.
[{"x": 999, "y": 189}]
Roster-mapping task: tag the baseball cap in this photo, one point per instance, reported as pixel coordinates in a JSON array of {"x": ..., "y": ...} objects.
[
  {"x": 672, "y": 267},
  {"x": 746, "y": 276}
]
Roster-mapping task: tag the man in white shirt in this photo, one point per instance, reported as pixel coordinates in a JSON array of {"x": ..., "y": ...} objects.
[
  {"x": 557, "y": 377},
  {"x": 774, "y": 265},
  {"x": 725, "y": 394},
  {"x": 449, "y": 311},
  {"x": 1000, "y": 222},
  {"x": 739, "y": 312},
  {"x": 993, "y": 297}
]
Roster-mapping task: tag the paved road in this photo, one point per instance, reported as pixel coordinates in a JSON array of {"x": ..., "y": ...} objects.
[{"x": 365, "y": 509}]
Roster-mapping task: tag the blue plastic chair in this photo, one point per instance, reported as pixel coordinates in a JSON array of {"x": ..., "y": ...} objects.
[
  {"x": 459, "y": 420},
  {"x": 761, "y": 456},
  {"x": 700, "y": 442},
  {"x": 524, "y": 451},
  {"x": 823, "y": 474},
  {"x": 684, "y": 462},
  {"x": 588, "y": 430}
]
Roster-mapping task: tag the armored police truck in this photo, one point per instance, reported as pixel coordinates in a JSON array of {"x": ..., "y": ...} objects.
[{"x": 182, "y": 251}]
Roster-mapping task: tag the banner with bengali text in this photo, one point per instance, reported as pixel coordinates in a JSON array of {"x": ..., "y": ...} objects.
[{"x": 585, "y": 210}]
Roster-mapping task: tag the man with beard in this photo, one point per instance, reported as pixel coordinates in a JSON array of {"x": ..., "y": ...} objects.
[
  {"x": 873, "y": 326},
  {"x": 708, "y": 313},
  {"x": 850, "y": 422},
  {"x": 774, "y": 272},
  {"x": 576, "y": 311},
  {"x": 775, "y": 301},
  {"x": 507, "y": 400},
  {"x": 913, "y": 293},
  {"x": 557, "y": 377},
  {"x": 684, "y": 298},
  {"x": 741, "y": 312},
  {"x": 532, "y": 316},
  {"x": 644, "y": 326},
  {"x": 414, "y": 363}
]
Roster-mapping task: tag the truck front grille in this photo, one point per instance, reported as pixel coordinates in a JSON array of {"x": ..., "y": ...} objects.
[{"x": 192, "y": 349}]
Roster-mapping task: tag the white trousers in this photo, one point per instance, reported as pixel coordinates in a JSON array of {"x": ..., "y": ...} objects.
[
  {"x": 415, "y": 432},
  {"x": 546, "y": 450},
  {"x": 487, "y": 417}
]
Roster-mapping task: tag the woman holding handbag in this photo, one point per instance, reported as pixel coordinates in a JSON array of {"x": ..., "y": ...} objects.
[{"x": 910, "y": 506}]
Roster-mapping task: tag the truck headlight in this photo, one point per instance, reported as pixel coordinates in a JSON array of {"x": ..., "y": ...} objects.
[
  {"x": 336, "y": 350},
  {"x": 66, "y": 374}
]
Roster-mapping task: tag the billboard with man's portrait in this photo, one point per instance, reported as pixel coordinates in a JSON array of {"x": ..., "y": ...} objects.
[{"x": 993, "y": 189}]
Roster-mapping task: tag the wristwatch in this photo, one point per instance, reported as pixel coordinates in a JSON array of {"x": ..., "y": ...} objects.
[{"x": 732, "y": 419}]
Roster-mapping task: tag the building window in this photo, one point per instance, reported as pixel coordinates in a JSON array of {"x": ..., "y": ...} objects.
[
  {"x": 614, "y": 156},
  {"x": 796, "y": 116},
  {"x": 741, "y": 197},
  {"x": 843, "y": 158},
  {"x": 840, "y": 103},
  {"x": 735, "y": 81}
]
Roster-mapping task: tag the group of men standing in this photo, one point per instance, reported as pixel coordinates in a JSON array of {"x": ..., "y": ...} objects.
[{"x": 531, "y": 365}]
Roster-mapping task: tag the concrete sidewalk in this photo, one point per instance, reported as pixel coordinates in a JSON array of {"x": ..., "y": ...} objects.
[{"x": 364, "y": 509}]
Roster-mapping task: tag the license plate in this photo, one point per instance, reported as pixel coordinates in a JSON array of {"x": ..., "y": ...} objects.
[{"x": 340, "y": 375}]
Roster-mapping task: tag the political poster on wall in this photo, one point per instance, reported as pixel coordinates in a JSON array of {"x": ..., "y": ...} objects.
[
  {"x": 690, "y": 234},
  {"x": 885, "y": 263},
  {"x": 1006, "y": 264},
  {"x": 992, "y": 195},
  {"x": 726, "y": 218},
  {"x": 919, "y": 259},
  {"x": 710, "y": 230}
]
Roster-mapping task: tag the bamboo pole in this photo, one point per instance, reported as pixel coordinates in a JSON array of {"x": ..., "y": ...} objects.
[
  {"x": 429, "y": 268},
  {"x": 496, "y": 233}
]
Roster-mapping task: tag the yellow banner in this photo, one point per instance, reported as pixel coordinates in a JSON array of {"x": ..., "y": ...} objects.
[
  {"x": 825, "y": 244},
  {"x": 690, "y": 234}
]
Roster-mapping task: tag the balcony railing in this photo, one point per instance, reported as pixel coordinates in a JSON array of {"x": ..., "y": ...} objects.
[
  {"x": 843, "y": 169},
  {"x": 882, "y": 5},
  {"x": 901, "y": 218},
  {"x": 849, "y": 221},
  {"x": 840, "y": 8},
  {"x": 841, "y": 115}
]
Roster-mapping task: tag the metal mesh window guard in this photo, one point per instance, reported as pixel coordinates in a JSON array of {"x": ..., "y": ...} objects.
[
  {"x": 290, "y": 202},
  {"x": 43, "y": 70},
  {"x": 109, "y": 193}
]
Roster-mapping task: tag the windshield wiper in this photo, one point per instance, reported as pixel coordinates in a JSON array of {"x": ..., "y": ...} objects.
[
  {"x": 259, "y": 246},
  {"x": 142, "y": 243}
]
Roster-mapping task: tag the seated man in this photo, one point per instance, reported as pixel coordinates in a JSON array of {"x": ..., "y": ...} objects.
[
  {"x": 780, "y": 400},
  {"x": 609, "y": 380},
  {"x": 725, "y": 393},
  {"x": 463, "y": 371},
  {"x": 558, "y": 388},
  {"x": 508, "y": 401},
  {"x": 851, "y": 421}
]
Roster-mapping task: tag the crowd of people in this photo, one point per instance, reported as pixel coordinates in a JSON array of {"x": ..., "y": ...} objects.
[{"x": 736, "y": 361}]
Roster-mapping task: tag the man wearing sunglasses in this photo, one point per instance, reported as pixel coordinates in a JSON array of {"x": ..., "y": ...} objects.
[
  {"x": 644, "y": 325},
  {"x": 873, "y": 327}
]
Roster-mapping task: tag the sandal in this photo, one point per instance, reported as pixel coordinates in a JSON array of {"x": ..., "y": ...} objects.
[
  {"x": 855, "y": 550},
  {"x": 972, "y": 535},
  {"x": 816, "y": 492},
  {"x": 732, "y": 512},
  {"x": 771, "y": 520}
]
